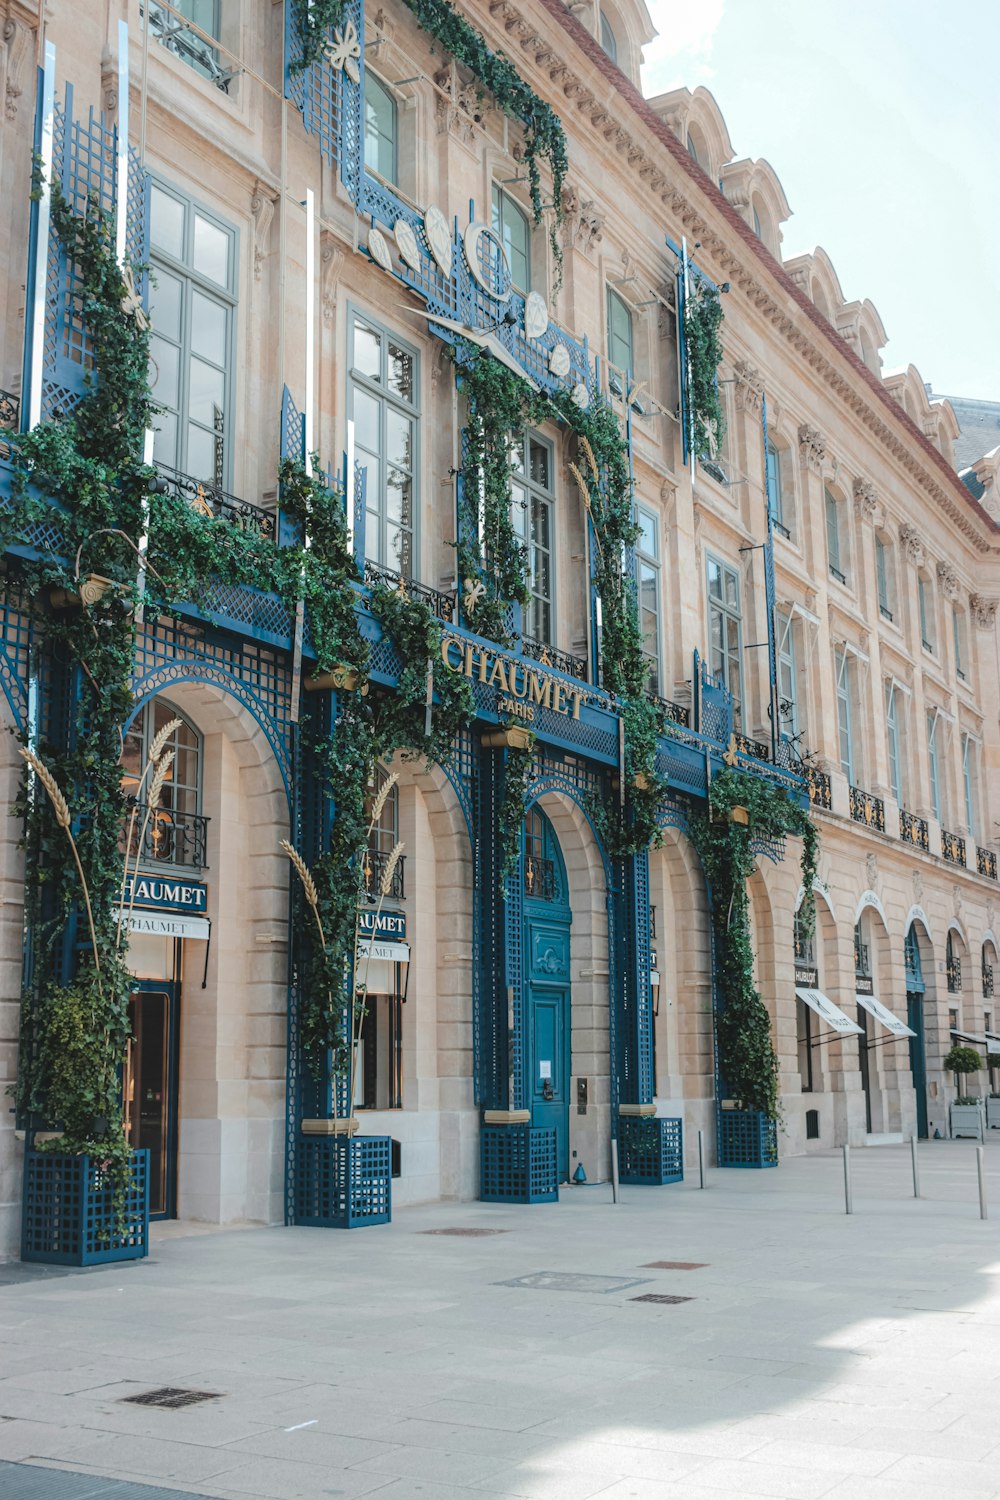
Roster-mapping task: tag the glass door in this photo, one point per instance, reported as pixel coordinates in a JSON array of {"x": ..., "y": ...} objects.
[{"x": 150, "y": 1088}]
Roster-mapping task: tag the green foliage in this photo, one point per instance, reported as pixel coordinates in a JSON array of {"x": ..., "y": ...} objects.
[
  {"x": 313, "y": 20},
  {"x": 747, "y": 1059},
  {"x": 962, "y": 1060},
  {"x": 518, "y": 767},
  {"x": 702, "y": 321}
]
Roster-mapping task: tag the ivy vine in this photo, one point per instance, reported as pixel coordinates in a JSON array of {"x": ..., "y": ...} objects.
[
  {"x": 702, "y": 321},
  {"x": 313, "y": 20},
  {"x": 518, "y": 768},
  {"x": 726, "y": 846}
]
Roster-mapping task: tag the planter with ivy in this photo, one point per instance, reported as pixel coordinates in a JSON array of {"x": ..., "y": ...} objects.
[{"x": 745, "y": 813}]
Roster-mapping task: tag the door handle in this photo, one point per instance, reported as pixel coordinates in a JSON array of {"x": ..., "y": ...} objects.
[{"x": 547, "y": 1092}]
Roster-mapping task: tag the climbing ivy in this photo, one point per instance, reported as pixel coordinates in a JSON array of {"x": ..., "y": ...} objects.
[
  {"x": 702, "y": 321},
  {"x": 517, "y": 773},
  {"x": 313, "y": 20},
  {"x": 727, "y": 848}
]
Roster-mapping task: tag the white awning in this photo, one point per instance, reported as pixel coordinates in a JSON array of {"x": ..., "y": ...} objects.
[
  {"x": 828, "y": 1012},
  {"x": 884, "y": 1016},
  {"x": 393, "y": 953},
  {"x": 966, "y": 1036},
  {"x": 992, "y": 1042},
  {"x": 167, "y": 924}
]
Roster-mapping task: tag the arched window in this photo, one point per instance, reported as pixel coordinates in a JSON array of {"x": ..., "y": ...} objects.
[
  {"x": 608, "y": 39},
  {"x": 621, "y": 353},
  {"x": 173, "y": 831},
  {"x": 383, "y": 838},
  {"x": 757, "y": 226},
  {"x": 511, "y": 224},
  {"x": 381, "y": 143}
]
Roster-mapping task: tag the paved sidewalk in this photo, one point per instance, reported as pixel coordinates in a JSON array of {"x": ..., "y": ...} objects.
[{"x": 819, "y": 1355}]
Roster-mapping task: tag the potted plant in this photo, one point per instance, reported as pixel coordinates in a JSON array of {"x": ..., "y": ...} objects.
[
  {"x": 966, "y": 1113},
  {"x": 993, "y": 1112}
]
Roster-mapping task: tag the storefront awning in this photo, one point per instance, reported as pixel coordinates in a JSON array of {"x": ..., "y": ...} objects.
[
  {"x": 375, "y": 967},
  {"x": 167, "y": 924},
  {"x": 884, "y": 1016},
  {"x": 966, "y": 1036},
  {"x": 992, "y": 1042},
  {"x": 828, "y": 1012},
  {"x": 393, "y": 953}
]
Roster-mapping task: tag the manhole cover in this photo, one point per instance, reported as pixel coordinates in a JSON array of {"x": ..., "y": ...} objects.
[
  {"x": 568, "y": 1281},
  {"x": 674, "y": 1265},
  {"x": 172, "y": 1397},
  {"x": 468, "y": 1234},
  {"x": 660, "y": 1297}
]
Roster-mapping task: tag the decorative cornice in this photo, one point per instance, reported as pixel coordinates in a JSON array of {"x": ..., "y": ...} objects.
[
  {"x": 812, "y": 448},
  {"x": 865, "y": 500}
]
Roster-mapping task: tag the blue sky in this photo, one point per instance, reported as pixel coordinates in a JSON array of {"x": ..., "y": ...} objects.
[{"x": 882, "y": 120}]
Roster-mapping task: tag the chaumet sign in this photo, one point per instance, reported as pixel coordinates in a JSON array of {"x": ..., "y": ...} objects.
[{"x": 521, "y": 687}]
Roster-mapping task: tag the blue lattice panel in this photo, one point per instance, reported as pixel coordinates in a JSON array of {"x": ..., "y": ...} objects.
[
  {"x": 747, "y": 1138},
  {"x": 517, "y": 1164},
  {"x": 344, "y": 1182},
  {"x": 650, "y": 1152},
  {"x": 71, "y": 1216}
]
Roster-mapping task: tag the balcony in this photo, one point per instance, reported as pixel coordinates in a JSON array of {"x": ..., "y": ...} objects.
[
  {"x": 561, "y": 661},
  {"x": 954, "y": 973},
  {"x": 209, "y": 500},
  {"x": 953, "y": 848},
  {"x": 987, "y": 981},
  {"x": 754, "y": 748},
  {"x": 539, "y": 878},
  {"x": 376, "y": 862},
  {"x": 914, "y": 830},
  {"x": 441, "y": 605},
  {"x": 986, "y": 863},
  {"x": 168, "y": 837},
  {"x": 674, "y": 713},
  {"x": 820, "y": 789},
  {"x": 10, "y": 418},
  {"x": 179, "y": 36},
  {"x": 867, "y": 809}
]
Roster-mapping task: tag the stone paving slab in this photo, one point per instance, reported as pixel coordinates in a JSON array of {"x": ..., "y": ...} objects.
[{"x": 820, "y": 1355}]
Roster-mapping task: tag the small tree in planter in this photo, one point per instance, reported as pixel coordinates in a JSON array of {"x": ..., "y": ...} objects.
[{"x": 967, "y": 1111}]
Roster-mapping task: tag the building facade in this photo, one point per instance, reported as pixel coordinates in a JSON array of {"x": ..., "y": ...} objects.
[{"x": 817, "y": 593}]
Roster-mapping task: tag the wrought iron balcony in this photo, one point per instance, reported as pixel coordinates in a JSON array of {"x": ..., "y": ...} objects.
[
  {"x": 820, "y": 788},
  {"x": 913, "y": 830},
  {"x": 755, "y": 748},
  {"x": 885, "y": 612},
  {"x": 10, "y": 418},
  {"x": 867, "y": 809},
  {"x": 168, "y": 837},
  {"x": 675, "y": 713},
  {"x": 440, "y": 604},
  {"x": 953, "y": 848},
  {"x": 210, "y": 500},
  {"x": 836, "y": 573},
  {"x": 548, "y": 656},
  {"x": 375, "y": 864},
  {"x": 987, "y": 981},
  {"x": 539, "y": 878},
  {"x": 986, "y": 863},
  {"x": 175, "y": 32},
  {"x": 953, "y": 970},
  {"x": 862, "y": 958}
]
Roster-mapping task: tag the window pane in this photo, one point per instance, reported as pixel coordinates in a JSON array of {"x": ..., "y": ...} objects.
[
  {"x": 714, "y": 579},
  {"x": 516, "y": 243},
  {"x": 619, "y": 333},
  {"x": 206, "y": 397},
  {"x": 400, "y": 374},
  {"x": 399, "y": 439},
  {"x": 380, "y": 129},
  {"x": 166, "y": 223},
  {"x": 539, "y": 455},
  {"x": 166, "y": 298},
  {"x": 211, "y": 251},
  {"x": 366, "y": 423},
  {"x": 165, "y": 441},
  {"x": 519, "y": 510},
  {"x": 648, "y": 533},
  {"x": 732, "y": 590},
  {"x": 164, "y": 371},
  {"x": 208, "y": 328},
  {"x": 204, "y": 450},
  {"x": 367, "y": 351}
]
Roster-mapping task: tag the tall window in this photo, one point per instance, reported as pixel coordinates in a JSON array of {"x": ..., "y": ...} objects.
[
  {"x": 725, "y": 626},
  {"x": 933, "y": 764},
  {"x": 532, "y": 495},
  {"x": 187, "y": 44},
  {"x": 647, "y": 555},
  {"x": 173, "y": 835},
  {"x": 833, "y": 538},
  {"x": 788, "y": 717},
  {"x": 621, "y": 353},
  {"x": 926, "y": 603},
  {"x": 608, "y": 39},
  {"x": 883, "y": 571},
  {"x": 384, "y": 403},
  {"x": 958, "y": 630},
  {"x": 511, "y": 224},
  {"x": 775, "y": 492},
  {"x": 845, "y": 711},
  {"x": 969, "y": 779},
  {"x": 193, "y": 308},
  {"x": 892, "y": 736},
  {"x": 381, "y": 141}
]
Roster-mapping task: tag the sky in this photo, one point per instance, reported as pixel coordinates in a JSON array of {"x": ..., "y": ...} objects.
[{"x": 881, "y": 119}]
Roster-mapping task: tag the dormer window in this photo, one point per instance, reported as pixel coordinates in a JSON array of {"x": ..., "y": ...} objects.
[{"x": 608, "y": 39}]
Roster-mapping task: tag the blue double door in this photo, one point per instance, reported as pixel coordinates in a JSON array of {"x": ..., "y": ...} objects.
[{"x": 547, "y": 920}]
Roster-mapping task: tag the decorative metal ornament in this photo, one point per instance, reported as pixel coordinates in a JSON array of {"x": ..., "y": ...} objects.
[
  {"x": 536, "y": 315},
  {"x": 131, "y": 301},
  {"x": 559, "y": 361},
  {"x": 580, "y": 396},
  {"x": 344, "y": 52},
  {"x": 438, "y": 238},
  {"x": 406, "y": 241},
  {"x": 474, "y": 591},
  {"x": 378, "y": 249},
  {"x": 499, "y": 285}
]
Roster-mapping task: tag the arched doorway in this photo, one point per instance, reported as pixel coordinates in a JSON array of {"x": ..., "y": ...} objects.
[
  {"x": 546, "y": 938},
  {"x": 915, "y": 988}
]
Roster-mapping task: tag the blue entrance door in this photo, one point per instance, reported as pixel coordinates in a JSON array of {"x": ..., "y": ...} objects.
[{"x": 547, "y": 920}]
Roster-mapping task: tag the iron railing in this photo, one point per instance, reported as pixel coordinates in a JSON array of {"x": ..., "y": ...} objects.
[
  {"x": 987, "y": 981},
  {"x": 440, "y": 604},
  {"x": 755, "y": 748},
  {"x": 953, "y": 969},
  {"x": 675, "y": 713},
  {"x": 820, "y": 788},
  {"x": 914, "y": 830},
  {"x": 986, "y": 863},
  {"x": 539, "y": 878},
  {"x": 210, "y": 500},
  {"x": 867, "y": 809},
  {"x": 952, "y": 847},
  {"x": 175, "y": 33},
  {"x": 548, "y": 656},
  {"x": 167, "y": 837},
  {"x": 374, "y": 865}
]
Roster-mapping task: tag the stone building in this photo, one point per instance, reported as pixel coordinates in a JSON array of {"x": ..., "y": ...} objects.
[{"x": 818, "y": 591}]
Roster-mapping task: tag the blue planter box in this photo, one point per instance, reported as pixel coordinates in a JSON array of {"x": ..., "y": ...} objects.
[
  {"x": 650, "y": 1151},
  {"x": 517, "y": 1164},
  {"x": 747, "y": 1138},
  {"x": 343, "y": 1182},
  {"x": 70, "y": 1217}
]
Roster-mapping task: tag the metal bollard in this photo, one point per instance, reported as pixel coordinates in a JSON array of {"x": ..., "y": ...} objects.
[
  {"x": 916, "y": 1169},
  {"x": 701, "y": 1160},
  {"x": 848, "y": 1204},
  {"x": 980, "y": 1153}
]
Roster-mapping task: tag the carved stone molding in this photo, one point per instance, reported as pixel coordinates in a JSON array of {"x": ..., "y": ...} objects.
[
  {"x": 17, "y": 41},
  {"x": 331, "y": 262},
  {"x": 812, "y": 448},
  {"x": 460, "y": 106},
  {"x": 871, "y": 870},
  {"x": 984, "y": 611},
  {"x": 749, "y": 387},
  {"x": 109, "y": 81},
  {"x": 865, "y": 500},
  {"x": 262, "y": 204},
  {"x": 583, "y": 226},
  {"x": 913, "y": 544},
  {"x": 948, "y": 579}
]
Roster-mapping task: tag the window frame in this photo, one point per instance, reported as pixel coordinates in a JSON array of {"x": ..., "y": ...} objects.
[
  {"x": 606, "y": 32},
  {"x": 836, "y": 559},
  {"x": 773, "y": 467},
  {"x": 627, "y": 370},
  {"x": 925, "y": 614},
  {"x": 959, "y": 638},
  {"x": 726, "y": 612},
  {"x": 787, "y": 660},
  {"x": 500, "y": 202},
  {"x": 653, "y": 562},
  {"x": 393, "y": 178},
  {"x": 884, "y": 566},
  {"x": 535, "y": 491},
  {"x": 380, "y": 392},
  {"x": 845, "y": 713},
  {"x": 896, "y": 785},
  {"x": 934, "y": 766},
  {"x": 970, "y": 782}
]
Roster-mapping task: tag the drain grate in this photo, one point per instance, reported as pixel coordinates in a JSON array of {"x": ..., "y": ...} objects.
[
  {"x": 567, "y": 1281},
  {"x": 674, "y": 1265},
  {"x": 172, "y": 1397},
  {"x": 660, "y": 1297},
  {"x": 468, "y": 1234}
]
